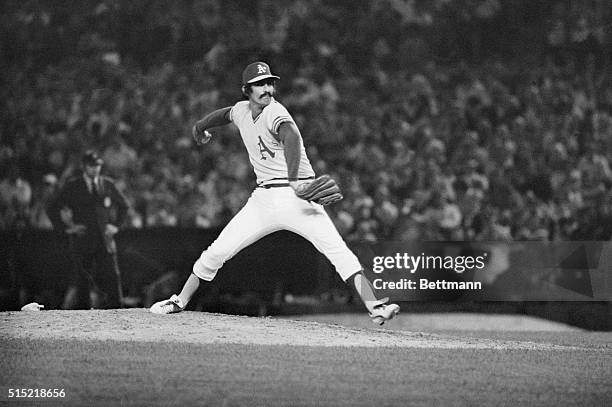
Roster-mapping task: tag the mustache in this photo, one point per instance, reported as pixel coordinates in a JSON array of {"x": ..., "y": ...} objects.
[{"x": 266, "y": 94}]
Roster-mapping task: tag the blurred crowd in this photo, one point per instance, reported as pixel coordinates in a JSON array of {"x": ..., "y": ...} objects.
[
  {"x": 477, "y": 154},
  {"x": 447, "y": 153},
  {"x": 437, "y": 119}
]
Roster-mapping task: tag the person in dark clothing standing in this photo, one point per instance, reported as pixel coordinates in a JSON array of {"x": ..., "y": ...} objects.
[{"x": 90, "y": 209}]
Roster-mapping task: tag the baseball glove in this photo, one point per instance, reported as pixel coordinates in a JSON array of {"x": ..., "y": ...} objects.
[{"x": 323, "y": 190}]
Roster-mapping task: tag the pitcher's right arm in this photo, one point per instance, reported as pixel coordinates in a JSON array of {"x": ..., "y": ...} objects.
[{"x": 217, "y": 118}]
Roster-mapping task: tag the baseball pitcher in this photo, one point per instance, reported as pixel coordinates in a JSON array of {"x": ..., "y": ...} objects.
[{"x": 288, "y": 195}]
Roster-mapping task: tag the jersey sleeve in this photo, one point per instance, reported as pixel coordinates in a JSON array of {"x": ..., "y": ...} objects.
[
  {"x": 235, "y": 110},
  {"x": 276, "y": 115}
]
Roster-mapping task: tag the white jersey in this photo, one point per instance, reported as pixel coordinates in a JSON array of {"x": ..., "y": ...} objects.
[{"x": 260, "y": 134}]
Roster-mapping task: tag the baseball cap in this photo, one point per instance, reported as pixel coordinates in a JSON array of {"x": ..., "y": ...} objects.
[
  {"x": 92, "y": 158},
  {"x": 257, "y": 71}
]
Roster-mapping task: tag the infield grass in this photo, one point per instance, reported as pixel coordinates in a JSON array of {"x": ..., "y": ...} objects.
[
  {"x": 131, "y": 357},
  {"x": 111, "y": 373}
]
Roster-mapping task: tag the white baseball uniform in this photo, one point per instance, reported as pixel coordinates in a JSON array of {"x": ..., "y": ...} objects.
[{"x": 272, "y": 207}]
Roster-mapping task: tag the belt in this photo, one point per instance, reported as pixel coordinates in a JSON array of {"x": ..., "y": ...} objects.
[
  {"x": 282, "y": 184},
  {"x": 268, "y": 186}
]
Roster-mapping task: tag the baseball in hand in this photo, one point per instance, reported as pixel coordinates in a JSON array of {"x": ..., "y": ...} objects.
[{"x": 201, "y": 137}]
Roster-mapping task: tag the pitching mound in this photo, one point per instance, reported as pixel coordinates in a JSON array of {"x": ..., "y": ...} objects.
[
  {"x": 139, "y": 325},
  {"x": 451, "y": 321}
]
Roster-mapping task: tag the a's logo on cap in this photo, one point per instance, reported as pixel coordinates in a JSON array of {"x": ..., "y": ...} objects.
[{"x": 256, "y": 71}]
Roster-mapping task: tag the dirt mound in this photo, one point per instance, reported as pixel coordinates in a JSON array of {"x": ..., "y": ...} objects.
[
  {"x": 202, "y": 328},
  {"x": 449, "y": 321}
]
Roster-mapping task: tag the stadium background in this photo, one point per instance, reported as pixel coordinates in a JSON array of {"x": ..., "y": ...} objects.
[{"x": 444, "y": 120}]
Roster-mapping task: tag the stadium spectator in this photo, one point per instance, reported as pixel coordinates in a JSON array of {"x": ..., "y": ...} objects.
[
  {"x": 89, "y": 209},
  {"x": 15, "y": 200},
  {"x": 39, "y": 218}
]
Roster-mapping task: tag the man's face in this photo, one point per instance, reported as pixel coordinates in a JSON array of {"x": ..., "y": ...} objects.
[
  {"x": 92, "y": 170},
  {"x": 262, "y": 92}
]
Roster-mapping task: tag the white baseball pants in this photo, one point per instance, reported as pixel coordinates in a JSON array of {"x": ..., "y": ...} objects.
[{"x": 267, "y": 211}]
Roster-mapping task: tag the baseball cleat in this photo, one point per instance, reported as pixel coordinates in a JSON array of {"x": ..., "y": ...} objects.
[
  {"x": 384, "y": 312},
  {"x": 170, "y": 306}
]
